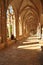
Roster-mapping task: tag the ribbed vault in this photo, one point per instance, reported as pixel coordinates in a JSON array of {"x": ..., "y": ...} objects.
[{"x": 29, "y": 11}]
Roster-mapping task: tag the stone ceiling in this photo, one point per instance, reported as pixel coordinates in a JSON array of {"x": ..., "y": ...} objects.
[
  {"x": 29, "y": 10},
  {"x": 19, "y": 3}
]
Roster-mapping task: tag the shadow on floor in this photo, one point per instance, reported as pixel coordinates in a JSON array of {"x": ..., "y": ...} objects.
[{"x": 41, "y": 58}]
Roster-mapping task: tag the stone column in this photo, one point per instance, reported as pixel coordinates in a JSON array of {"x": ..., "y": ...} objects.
[
  {"x": 39, "y": 31},
  {"x": 17, "y": 25},
  {"x": 12, "y": 25},
  {"x": 24, "y": 28},
  {"x": 4, "y": 23},
  {"x": 0, "y": 23}
]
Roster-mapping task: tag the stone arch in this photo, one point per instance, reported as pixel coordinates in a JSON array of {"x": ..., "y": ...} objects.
[
  {"x": 30, "y": 12},
  {"x": 16, "y": 14},
  {"x": 27, "y": 6}
]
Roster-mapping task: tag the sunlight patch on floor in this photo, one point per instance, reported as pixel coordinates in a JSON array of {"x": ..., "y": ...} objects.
[
  {"x": 33, "y": 46},
  {"x": 31, "y": 41}
]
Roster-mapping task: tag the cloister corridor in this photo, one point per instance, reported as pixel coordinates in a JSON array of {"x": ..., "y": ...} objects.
[{"x": 21, "y": 32}]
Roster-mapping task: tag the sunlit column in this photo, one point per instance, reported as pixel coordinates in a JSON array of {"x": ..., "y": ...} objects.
[
  {"x": 12, "y": 22},
  {"x": 39, "y": 31},
  {"x": 20, "y": 26},
  {"x": 8, "y": 23},
  {"x": 14, "y": 27},
  {"x": 9, "y": 26},
  {"x": 24, "y": 29}
]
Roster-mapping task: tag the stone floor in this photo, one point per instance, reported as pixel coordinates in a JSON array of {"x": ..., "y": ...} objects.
[
  {"x": 19, "y": 56},
  {"x": 22, "y": 54}
]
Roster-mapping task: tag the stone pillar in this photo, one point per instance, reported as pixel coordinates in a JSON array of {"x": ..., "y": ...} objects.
[
  {"x": 24, "y": 28},
  {"x": 12, "y": 25},
  {"x": 17, "y": 25},
  {"x": 4, "y": 23},
  {"x": 39, "y": 31},
  {"x": 0, "y": 22}
]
